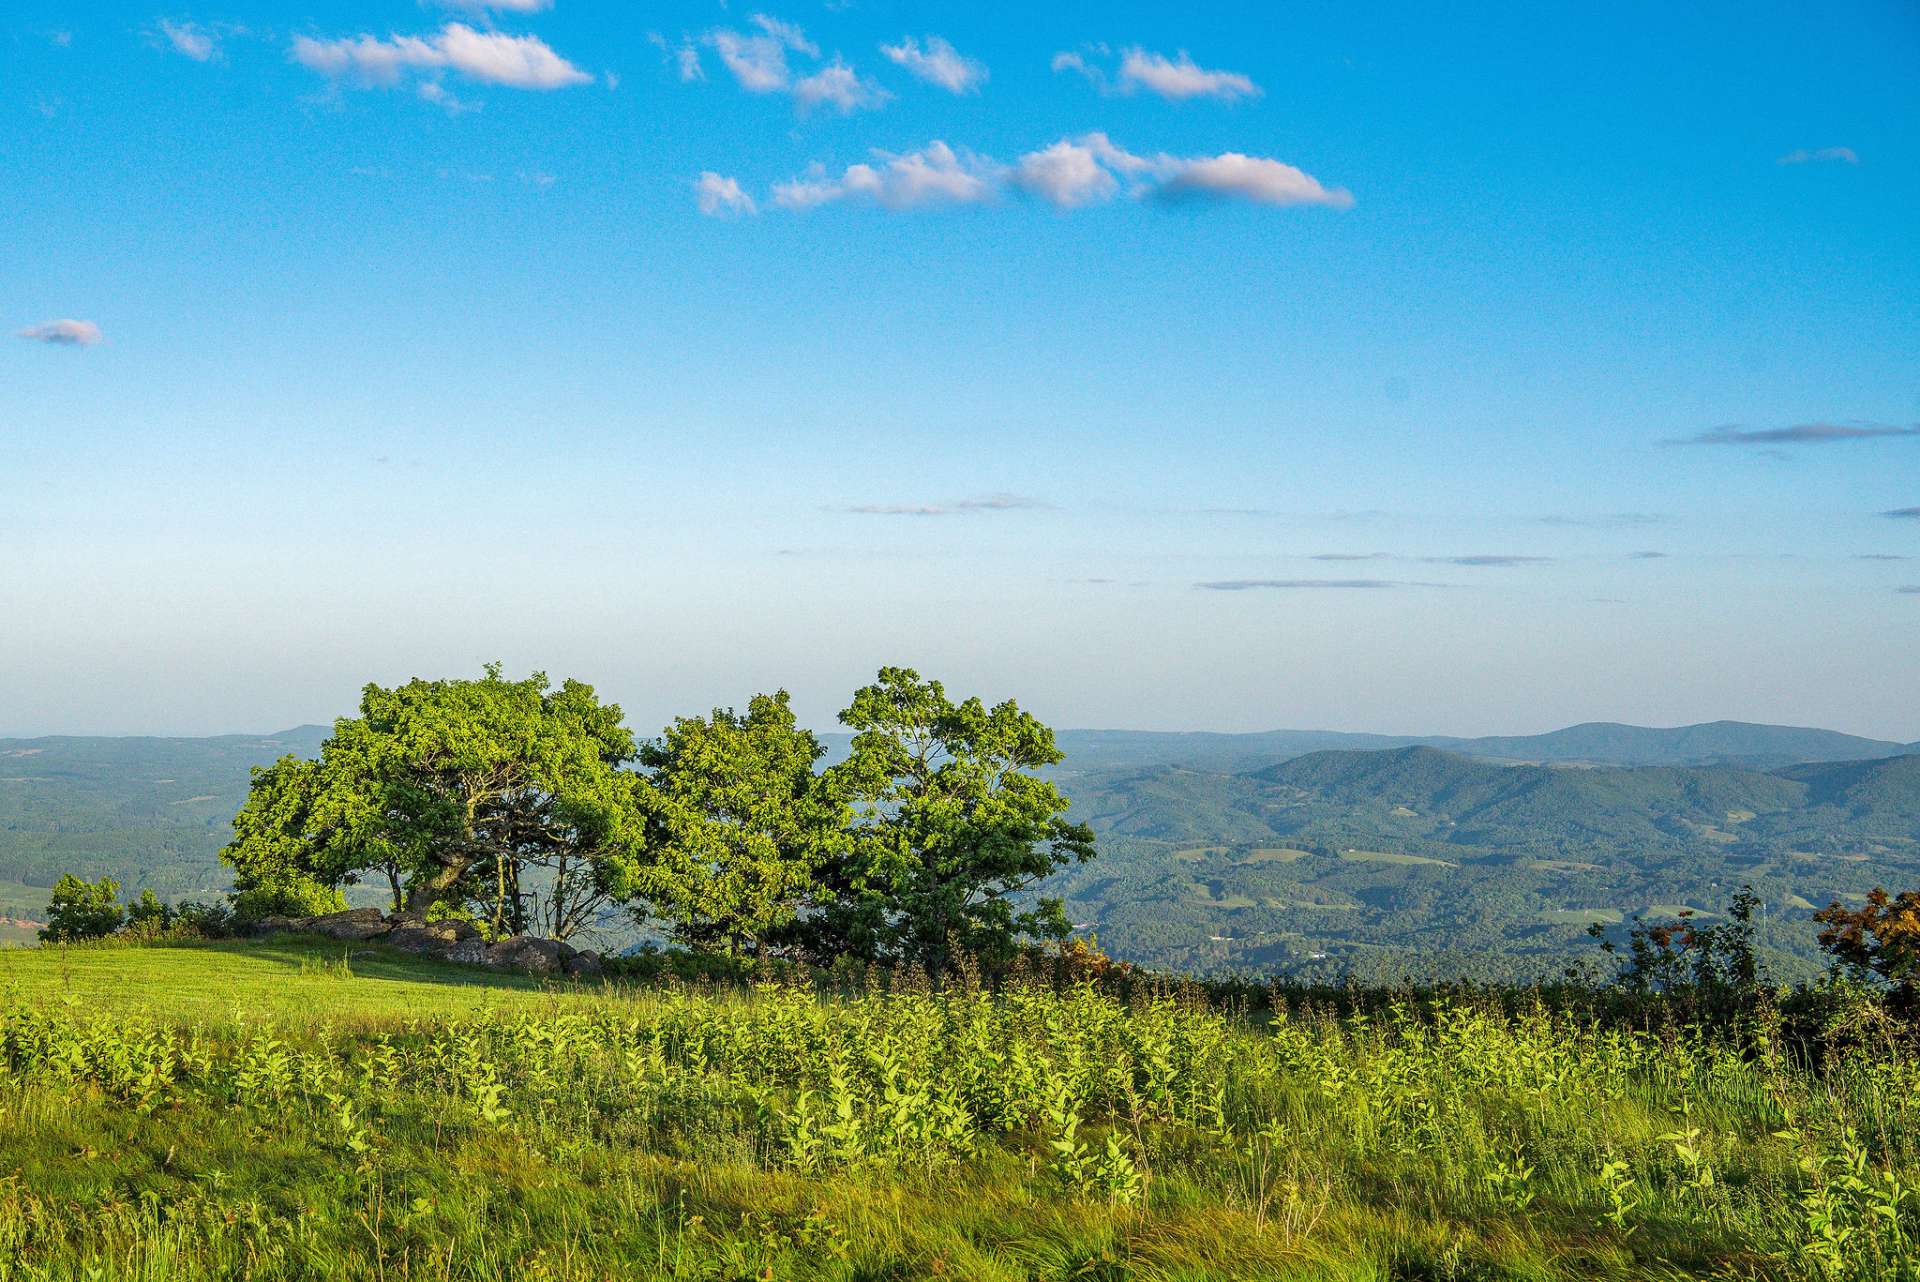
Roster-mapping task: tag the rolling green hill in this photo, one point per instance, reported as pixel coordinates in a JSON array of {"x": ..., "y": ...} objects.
[
  {"x": 152, "y": 812},
  {"x": 1420, "y": 858},
  {"x": 1395, "y": 856}
]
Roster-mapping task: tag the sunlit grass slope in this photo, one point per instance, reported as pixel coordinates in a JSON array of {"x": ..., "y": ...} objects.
[{"x": 312, "y": 1111}]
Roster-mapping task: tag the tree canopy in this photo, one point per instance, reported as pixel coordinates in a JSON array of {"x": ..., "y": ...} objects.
[
  {"x": 738, "y": 826},
  {"x": 530, "y": 807},
  {"x": 452, "y": 791},
  {"x": 951, "y": 826}
]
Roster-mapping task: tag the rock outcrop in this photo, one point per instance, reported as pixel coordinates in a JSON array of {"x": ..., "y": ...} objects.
[{"x": 451, "y": 940}]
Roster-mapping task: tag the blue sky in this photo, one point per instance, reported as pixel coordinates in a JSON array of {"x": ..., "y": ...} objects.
[{"x": 1229, "y": 366}]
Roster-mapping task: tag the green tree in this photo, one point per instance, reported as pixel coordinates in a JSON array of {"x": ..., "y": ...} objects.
[
  {"x": 287, "y": 860},
  {"x": 82, "y": 910},
  {"x": 738, "y": 824},
  {"x": 454, "y": 792},
  {"x": 951, "y": 827}
]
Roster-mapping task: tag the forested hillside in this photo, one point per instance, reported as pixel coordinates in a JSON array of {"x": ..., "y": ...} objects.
[
  {"x": 151, "y": 812},
  {"x": 1421, "y": 857},
  {"x": 1221, "y": 851}
]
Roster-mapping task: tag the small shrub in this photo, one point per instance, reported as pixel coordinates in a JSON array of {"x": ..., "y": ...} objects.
[{"x": 82, "y": 910}]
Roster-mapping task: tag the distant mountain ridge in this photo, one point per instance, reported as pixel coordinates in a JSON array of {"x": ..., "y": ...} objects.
[
  {"x": 1255, "y": 852},
  {"x": 1592, "y": 743}
]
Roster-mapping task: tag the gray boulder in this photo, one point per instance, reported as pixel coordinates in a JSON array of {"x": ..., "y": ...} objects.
[
  {"x": 531, "y": 954},
  {"x": 468, "y": 952},
  {"x": 585, "y": 964},
  {"x": 354, "y": 923},
  {"x": 417, "y": 935}
]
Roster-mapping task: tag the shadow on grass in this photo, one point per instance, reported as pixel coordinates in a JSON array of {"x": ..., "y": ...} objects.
[{"x": 369, "y": 959}]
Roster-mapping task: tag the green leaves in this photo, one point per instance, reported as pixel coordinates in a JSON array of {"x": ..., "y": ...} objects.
[
  {"x": 450, "y": 789},
  {"x": 950, "y": 825},
  {"x": 82, "y": 910},
  {"x": 737, "y": 825}
]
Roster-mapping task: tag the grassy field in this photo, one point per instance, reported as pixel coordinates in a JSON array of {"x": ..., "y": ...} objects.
[{"x": 308, "y": 1111}]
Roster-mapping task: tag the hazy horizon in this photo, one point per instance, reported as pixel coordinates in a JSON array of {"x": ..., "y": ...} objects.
[{"x": 1410, "y": 372}]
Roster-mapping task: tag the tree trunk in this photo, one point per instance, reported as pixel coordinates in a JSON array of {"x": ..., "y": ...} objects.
[{"x": 426, "y": 891}]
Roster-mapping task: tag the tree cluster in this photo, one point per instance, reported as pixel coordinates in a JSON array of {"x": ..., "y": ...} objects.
[{"x": 531, "y": 808}]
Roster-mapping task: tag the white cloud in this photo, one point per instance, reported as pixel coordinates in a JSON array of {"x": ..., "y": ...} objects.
[
  {"x": 1822, "y": 155},
  {"x": 721, "y": 197},
  {"x": 758, "y": 63},
  {"x": 491, "y": 57},
  {"x": 957, "y": 507},
  {"x": 1180, "y": 78},
  {"x": 1070, "y": 60},
  {"x": 190, "y": 40},
  {"x": 1067, "y": 174},
  {"x": 1255, "y": 178},
  {"x": 436, "y": 93},
  {"x": 838, "y": 86},
  {"x": 1091, "y": 168},
  {"x": 787, "y": 34},
  {"x": 935, "y": 175},
  {"x": 64, "y": 333},
  {"x": 939, "y": 63},
  {"x": 497, "y": 6}
]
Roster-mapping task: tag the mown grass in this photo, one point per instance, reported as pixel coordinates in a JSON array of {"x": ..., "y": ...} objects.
[{"x": 268, "y": 1112}]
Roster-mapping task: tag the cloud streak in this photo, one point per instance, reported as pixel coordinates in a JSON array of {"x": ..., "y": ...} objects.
[
  {"x": 1180, "y": 78},
  {"x": 1797, "y": 434},
  {"x": 1820, "y": 156},
  {"x": 1069, "y": 174},
  {"x": 1903, "y": 514},
  {"x": 957, "y": 507},
  {"x": 1091, "y": 168},
  {"x": 1306, "y": 585},
  {"x": 489, "y": 57},
  {"x": 64, "y": 333},
  {"x": 1484, "y": 559},
  {"x": 1177, "y": 79},
  {"x": 938, "y": 63},
  {"x": 933, "y": 176}
]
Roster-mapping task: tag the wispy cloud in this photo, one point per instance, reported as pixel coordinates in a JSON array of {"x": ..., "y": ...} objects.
[
  {"x": 1647, "y": 556},
  {"x": 937, "y": 63},
  {"x": 721, "y": 197},
  {"x": 1797, "y": 434},
  {"x": 1904, "y": 514},
  {"x": 1290, "y": 585},
  {"x": 957, "y": 507},
  {"x": 1350, "y": 556},
  {"x": 496, "y": 6},
  {"x": 1485, "y": 559},
  {"x": 1820, "y": 155},
  {"x": 1880, "y": 556},
  {"x": 1071, "y": 173},
  {"x": 758, "y": 61},
  {"x": 64, "y": 333},
  {"x": 489, "y": 57},
  {"x": 1180, "y": 78},
  {"x": 190, "y": 40},
  {"x": 1176, "y": 79},
  {"x": 1091, "y": 168},
  {"x": 838, "y": 86},
  {"x": 1605, "y": 520},
  {"x": 935, "y": 175},
  {"x": 1908, "y": 589}
]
